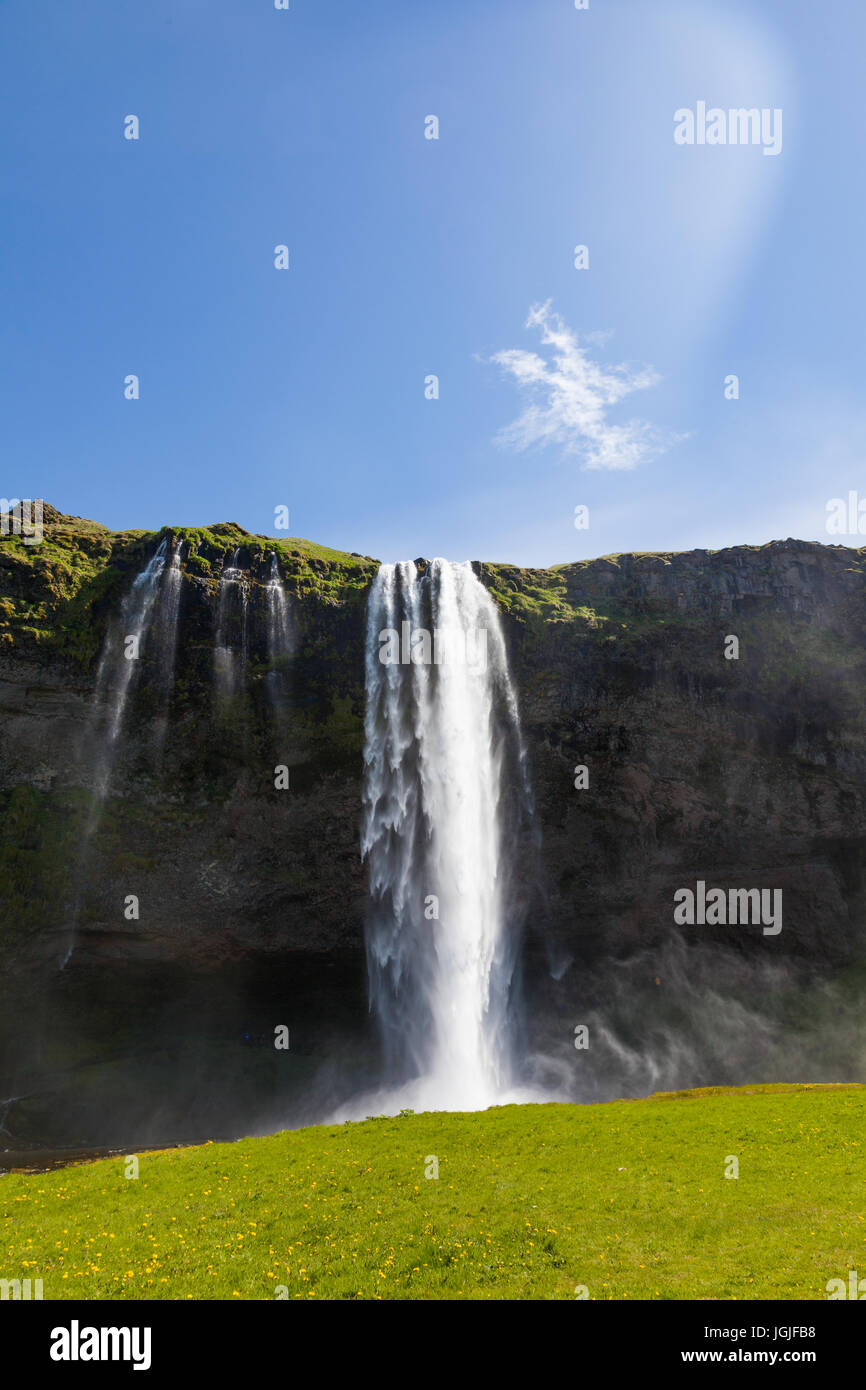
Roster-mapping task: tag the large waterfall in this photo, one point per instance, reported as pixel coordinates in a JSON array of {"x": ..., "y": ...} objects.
[{"x": 443, "y": 774}]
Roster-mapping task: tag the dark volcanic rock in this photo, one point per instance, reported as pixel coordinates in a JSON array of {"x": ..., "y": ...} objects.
[{"x": 743, "y": 773}]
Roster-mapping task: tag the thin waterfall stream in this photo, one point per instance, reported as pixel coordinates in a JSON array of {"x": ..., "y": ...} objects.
[
  {"x": 123, "y": 648},
  {"x": 278, "y": 633},
  {"x": 230, "y": 649}
]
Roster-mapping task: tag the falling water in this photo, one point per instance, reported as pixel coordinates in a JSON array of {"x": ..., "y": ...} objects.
[
  {"x": 165, "y": 636},
  {"x": 123, "y": 648},
  {"x": 165, "y": 622},
  {"x": 443, "y": 758},
  {"x": 279, "y": 632},
  {"x": 230, "y": 648}
]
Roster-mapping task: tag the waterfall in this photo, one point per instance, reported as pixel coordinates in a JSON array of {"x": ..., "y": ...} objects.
[
  {"x": 165, "y": 640},
  {"x": 230, "y": 648},
  {"x": 279, "y": 632},
  {"x": 124, "y": 646},
  {"x": 443, "y": 771},
  {"x": 165, "y": 622}
]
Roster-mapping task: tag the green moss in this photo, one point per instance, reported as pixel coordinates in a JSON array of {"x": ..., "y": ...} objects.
[{"x": 55, "y": 596}]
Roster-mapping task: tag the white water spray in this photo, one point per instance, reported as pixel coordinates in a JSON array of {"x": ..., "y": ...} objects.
[{"x": 442, "y": 755}]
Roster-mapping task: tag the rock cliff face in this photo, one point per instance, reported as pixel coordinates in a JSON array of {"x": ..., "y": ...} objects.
[{"x": 745, "y": 773}]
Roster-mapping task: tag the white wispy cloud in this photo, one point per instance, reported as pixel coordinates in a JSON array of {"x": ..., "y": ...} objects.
[{"x": 569, "y": 396}]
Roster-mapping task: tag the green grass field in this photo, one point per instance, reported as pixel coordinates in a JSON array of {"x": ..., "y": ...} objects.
[{"x": 629, "y": 1200}]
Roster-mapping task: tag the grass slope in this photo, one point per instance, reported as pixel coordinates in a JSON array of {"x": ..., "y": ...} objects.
[{"x": 628, "y": 1199}]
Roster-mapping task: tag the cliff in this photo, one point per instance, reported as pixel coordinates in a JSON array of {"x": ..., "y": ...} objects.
[{"x": 743, "y": 773}]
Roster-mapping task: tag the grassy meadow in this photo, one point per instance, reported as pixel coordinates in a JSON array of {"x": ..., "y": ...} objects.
[{"x": 627, "y": 1200}]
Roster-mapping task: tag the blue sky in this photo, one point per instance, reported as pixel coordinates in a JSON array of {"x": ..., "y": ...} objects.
[{"x": 410, "y": 257}]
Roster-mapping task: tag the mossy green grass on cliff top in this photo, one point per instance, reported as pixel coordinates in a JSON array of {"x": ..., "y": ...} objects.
[
  {"x": 627, "y": 1200},
  {"x": 226, "y": 536},
  {"x": 55, "y": 595}
]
